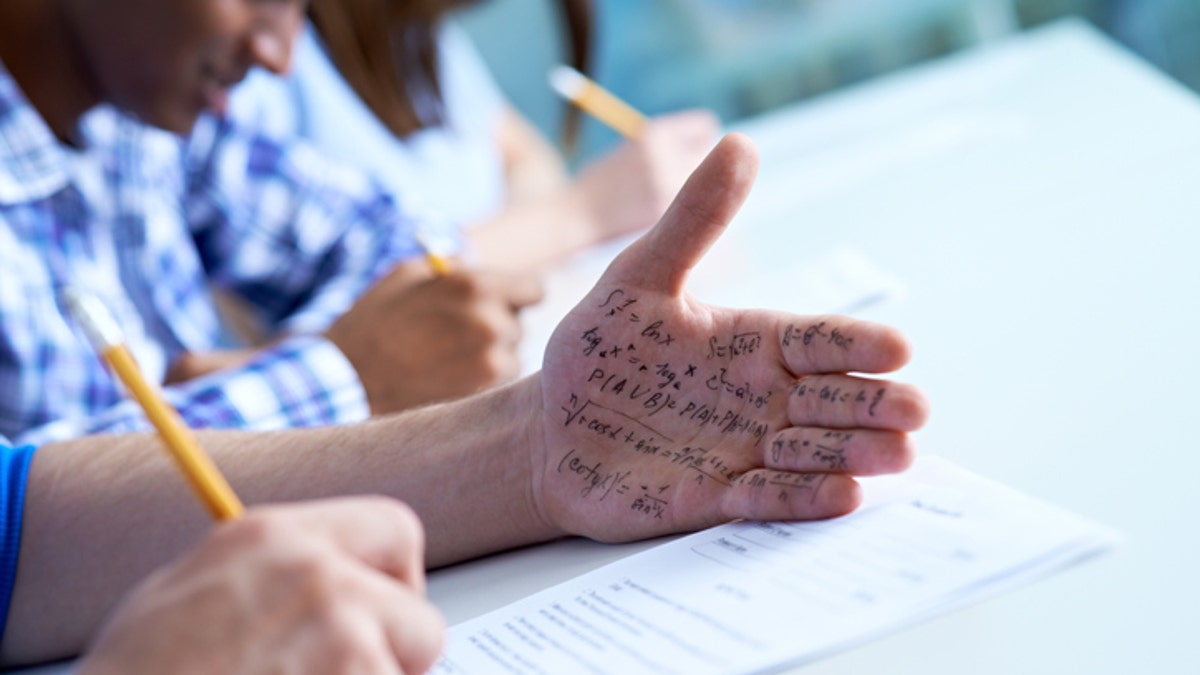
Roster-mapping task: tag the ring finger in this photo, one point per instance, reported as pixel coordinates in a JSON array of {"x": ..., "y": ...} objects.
[{"x": 859, "y": 452}]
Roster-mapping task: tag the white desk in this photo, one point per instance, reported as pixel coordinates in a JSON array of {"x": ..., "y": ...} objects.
[{"x": 1040, "y": 201}]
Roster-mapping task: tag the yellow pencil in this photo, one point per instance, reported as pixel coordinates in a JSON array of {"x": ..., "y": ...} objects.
[
  {"x": 109, "y": 341},
  {"x": 597, "y": 101},
  {"x": 439, "y": 263}
]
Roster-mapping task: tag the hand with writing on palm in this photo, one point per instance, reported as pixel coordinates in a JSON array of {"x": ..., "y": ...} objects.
[{"x": 662, "y": 414}]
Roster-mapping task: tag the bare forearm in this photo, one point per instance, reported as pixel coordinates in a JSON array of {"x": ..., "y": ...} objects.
[
  {"x": 535, "y": 232},
  {"x": 463, "y": 466},
  {"x": 101, "y": 514}
]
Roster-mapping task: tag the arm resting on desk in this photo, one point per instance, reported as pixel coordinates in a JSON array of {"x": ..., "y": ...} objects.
[{"x": 653, "y": 414}]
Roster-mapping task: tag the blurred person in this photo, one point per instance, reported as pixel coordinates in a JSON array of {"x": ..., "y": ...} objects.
[{"x": 92, "y": 194}]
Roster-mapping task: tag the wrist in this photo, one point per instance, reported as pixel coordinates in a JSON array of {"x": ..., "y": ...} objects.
[
  {"x": 528, "y": 407},
  {"x": 494, "y": 444},
  {"x": 525, "y": 452}
]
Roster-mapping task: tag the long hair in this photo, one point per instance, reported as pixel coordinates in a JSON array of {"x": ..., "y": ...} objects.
[{"x": 387, "y": 51}]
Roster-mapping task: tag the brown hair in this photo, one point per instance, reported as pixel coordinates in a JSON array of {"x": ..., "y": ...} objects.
[
  {"x": 387, "y": 51},
  {"x": 578, "y": 18}
]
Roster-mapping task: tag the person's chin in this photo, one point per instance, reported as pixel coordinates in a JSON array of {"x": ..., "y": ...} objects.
[
  {"x": 178, "y": 118},
  {"x": 177, "y": 121}
]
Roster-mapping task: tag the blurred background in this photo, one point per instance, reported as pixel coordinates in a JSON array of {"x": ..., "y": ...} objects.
[{"x": 744, "y": 57}]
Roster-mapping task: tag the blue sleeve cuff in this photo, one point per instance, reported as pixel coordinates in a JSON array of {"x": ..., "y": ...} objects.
[{"x": 14, "y": 469}]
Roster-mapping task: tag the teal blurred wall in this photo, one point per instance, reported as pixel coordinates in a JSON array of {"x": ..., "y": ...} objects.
[{"x": 742, "y": 57}]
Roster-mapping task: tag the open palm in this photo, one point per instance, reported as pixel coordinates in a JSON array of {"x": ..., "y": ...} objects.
[{"x": 663, "y": 414}]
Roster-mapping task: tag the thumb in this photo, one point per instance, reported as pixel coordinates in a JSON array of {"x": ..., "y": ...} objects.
[{"x": 661, "y": 259}]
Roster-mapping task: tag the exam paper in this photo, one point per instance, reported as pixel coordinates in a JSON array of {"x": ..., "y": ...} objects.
[{"x": 753, "y": 597}]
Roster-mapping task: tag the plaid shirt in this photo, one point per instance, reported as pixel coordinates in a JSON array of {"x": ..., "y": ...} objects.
[{"x": 149, "y": 223}]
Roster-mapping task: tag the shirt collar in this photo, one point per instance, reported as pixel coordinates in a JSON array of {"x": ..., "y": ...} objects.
[{"x": 32, "y": 164}]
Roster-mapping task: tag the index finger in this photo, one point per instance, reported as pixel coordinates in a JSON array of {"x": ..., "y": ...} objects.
[
  {"x": 840, "y": 344},
  {"x": 381, "y": 532}
]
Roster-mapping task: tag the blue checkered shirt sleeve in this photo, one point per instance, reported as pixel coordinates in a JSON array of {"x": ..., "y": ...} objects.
[
  {"x": 298, "y": 235},
  {"x": 303, "y": 381}
]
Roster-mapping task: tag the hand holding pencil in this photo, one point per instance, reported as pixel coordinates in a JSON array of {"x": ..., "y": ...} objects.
[
  {"x": 352, "y": 561},
  {"x": 351, "y": 574}
]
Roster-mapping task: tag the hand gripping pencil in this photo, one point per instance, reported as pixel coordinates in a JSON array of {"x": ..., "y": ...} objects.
[{"x": 109, "y": 341}]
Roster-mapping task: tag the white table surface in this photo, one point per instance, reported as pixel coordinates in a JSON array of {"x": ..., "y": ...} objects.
[{"x": 1040, "y": 202}]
